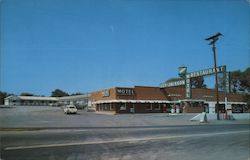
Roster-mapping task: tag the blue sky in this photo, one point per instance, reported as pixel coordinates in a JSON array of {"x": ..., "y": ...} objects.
[{"x": 89, "y": 45}]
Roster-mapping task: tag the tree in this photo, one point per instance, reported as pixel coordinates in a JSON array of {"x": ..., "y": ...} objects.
[
  {"x": 76, "y": 94},
  {"x": 26, "y": 94},
  {"x": 240, "y": 81},
  {"x": 58, "y": 93},
  {"x": 2, "y": 96},
  {"x": 198, "y": 82}
]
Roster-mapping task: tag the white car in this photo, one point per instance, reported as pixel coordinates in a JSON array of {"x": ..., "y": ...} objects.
[{"x": 70, "y": 109}]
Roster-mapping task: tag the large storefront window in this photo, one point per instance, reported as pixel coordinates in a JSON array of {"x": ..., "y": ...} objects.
[
  {"x": 237, "y": 108},
  {"x": 240, "y": 108},
  {"x": 157, "y": 107}
]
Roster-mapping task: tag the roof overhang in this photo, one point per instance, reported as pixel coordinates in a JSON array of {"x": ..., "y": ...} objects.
[{"x": 130, "y": 101}]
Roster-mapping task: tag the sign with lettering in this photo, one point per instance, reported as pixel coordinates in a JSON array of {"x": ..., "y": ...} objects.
[
  {"x": 105, "y": 93},
  {"x": 227, "y": 82},
  {"x": 173, "y": 83},
  {"x": 125, "y": 91},
  {"x": 187, "y": 81},
  {"x": 188, "y": 88},
  {"x": 206, "y": 72}
]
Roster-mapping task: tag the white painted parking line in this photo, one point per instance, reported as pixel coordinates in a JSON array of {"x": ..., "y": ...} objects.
[{"x": 129, "y": 140}]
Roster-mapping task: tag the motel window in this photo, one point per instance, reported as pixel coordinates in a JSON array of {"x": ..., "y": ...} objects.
[
  {"x": 196, "y": 104},
  {"x": 148, "y": 106},
  {"x": 157, "y": 107},
  {"x": 237, "y": 108},
  {"x": 122, "y": 107},
  {"x": 112, "y": 107}
]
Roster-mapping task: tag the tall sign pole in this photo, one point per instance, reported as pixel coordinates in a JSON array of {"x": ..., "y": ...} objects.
[
  {"x": 216, "y": 84},
  {"x": 212, "y": 40}
]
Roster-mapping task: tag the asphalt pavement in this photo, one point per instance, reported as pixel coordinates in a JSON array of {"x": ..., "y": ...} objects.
[
  {"x": 38, "y": 133},
  {"x": 225, "y": 142},
  {"x": 53, "y": 117}
]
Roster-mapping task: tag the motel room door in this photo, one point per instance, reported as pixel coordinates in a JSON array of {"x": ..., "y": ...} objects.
[{"x": 132, "y": 108}]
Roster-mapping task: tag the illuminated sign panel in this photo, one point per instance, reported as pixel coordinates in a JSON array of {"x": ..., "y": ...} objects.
[{"x": 125, "y": 91}]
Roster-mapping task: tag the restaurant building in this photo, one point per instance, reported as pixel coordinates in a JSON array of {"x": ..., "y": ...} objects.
[{"x": 142, "y": 99}]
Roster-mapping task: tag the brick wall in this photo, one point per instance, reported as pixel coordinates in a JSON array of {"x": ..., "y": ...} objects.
[
  {"x": 172, "y": 93},
  {"x": 150, "y": 93}
]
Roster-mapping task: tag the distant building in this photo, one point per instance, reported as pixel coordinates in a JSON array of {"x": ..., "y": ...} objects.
[
  {"x": 79, "y": 100},
  {"x": 142, "y": 99},
  {"x": 30, "y": 101}
]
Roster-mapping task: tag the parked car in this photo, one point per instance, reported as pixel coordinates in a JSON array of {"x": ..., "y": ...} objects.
[{"x": 70, "y": 109}]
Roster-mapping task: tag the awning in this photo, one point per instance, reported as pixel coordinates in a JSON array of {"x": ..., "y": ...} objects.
[{"x": 131, "y": 101}]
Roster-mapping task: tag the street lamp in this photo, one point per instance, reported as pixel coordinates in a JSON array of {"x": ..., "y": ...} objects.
[{"x": 212, "y": 40}]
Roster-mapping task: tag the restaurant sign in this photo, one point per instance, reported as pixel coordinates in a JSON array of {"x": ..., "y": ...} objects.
[{"x": 206, "y": 72}]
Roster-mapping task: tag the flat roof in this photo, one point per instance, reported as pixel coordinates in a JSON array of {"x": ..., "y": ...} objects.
[
  {"x": 38, "y": 98},
  {"x": 74, "y": 97}
]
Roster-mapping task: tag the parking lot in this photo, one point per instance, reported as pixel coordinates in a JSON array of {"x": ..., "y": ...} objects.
[
  {"x": 53, "y": 117},
  {"x": 43, "y": 116}
]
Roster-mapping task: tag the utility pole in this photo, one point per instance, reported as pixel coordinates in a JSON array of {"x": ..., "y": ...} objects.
[{"x": 212, "y": 40}]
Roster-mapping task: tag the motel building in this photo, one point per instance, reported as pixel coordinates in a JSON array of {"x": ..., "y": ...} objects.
[
  {"x": 78, "y": 100},
  {"x": 29, "y": 101},
  {"x": 143, "y": 99}
]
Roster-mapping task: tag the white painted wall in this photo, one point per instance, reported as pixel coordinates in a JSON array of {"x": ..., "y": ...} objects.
[
  {"x": 211, "y": 106},
  {"x": 241, "y": 116}
]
